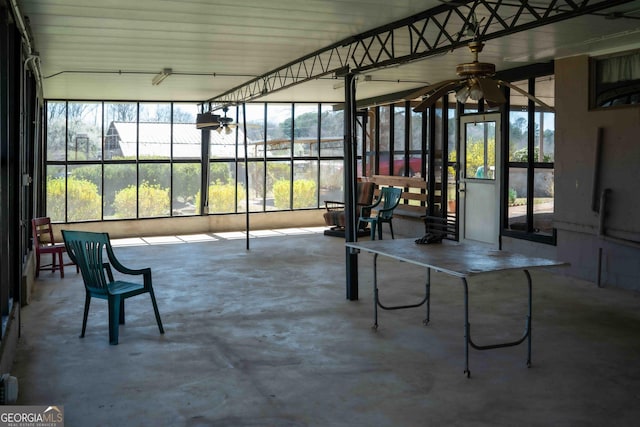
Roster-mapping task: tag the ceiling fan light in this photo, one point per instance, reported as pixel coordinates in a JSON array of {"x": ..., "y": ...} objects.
[
  {"x": 462, "y": 94},
  {"x": 219, "y": 129},
  {"x": 228, "y": 130},
  {"x": 475, "y": 92}
]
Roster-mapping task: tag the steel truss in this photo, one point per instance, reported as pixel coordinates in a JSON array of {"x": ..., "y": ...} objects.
[{"x": 443, "y": 28}]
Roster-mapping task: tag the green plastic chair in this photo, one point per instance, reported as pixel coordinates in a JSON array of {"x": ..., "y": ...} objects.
[
  {"x": 86, "y": 250},
  {"x": 390, "y": 198}
]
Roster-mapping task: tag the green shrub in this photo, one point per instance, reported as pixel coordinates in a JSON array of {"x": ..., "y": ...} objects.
[
  {"x": 304, "y": 194},
  {"x": 513, "y": 195},
  {"x": 153, "y": 201},
  {"x": 222, "y": 197},
  {"x": 83, "y": 198}
]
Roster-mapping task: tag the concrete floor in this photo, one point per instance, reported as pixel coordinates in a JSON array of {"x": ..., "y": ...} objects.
[{"x": 265, "y": 337}]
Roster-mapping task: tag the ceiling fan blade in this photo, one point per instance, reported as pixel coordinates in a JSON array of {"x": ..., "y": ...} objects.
[
  {"x": 436, "y": 94},
  {"x": 525, "y": 93},
  {"x": 493, "y": 96},
  {"x": 424, "y": 91}
]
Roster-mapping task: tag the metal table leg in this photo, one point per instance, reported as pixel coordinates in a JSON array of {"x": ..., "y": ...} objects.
[
  {"x": 467, "y": 328},
  {"x": 376, "y": 296}
]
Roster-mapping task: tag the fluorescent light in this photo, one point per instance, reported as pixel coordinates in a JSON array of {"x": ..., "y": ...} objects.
[{"x": 159, "y": 78}]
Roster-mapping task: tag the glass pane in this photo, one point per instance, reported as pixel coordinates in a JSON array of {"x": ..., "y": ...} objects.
[
  {"x": 56, "y": 131},
  {"x": 416, "y": 131},
  {"x": 517, "y": 199},
  {"x": 278, "y": 186},
  {"x": 187, "y": 141},
  {"x": 305, "y": 184},
  {"x": 518, "y": 124},
  {"x": 331, "y": 181},
  {"x": 543, "y": 205},
  {"x": 222, "y": 143},
  {"x": 279, "y": 130},
  {"x": 399, "y": 127},
  {"x": 223, "y": 194},
  {"x": 241, "y": 204},
  {"x": 121, "y": 139},
  {"x": 84, "y": 193},
  {"x": 84, "y": 134},
  {"x": 331, "y": 131},
  {"x": 255, "y": 131},
  {"x": 153, "y": 191},
  {"x": 56, "y": 193},
  {"x": 185, "y": 112},
  {"x": 480, "y": 157},
  {"x": 186, "y": 189},
  {"x": 305, "y": 142},
  {"x": 154, "y": 132},
  {"x": 545, "y": 121},
  {"x": 256, "y": 187},
  {"x": 385, "y": 132},
  {"x": 120, "y": 191}
]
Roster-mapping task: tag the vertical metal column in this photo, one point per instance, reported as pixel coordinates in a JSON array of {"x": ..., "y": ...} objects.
[{"x": 350, "y": 184}]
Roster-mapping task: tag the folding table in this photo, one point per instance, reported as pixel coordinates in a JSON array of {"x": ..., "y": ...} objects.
[{"x": 461, "y": 260}]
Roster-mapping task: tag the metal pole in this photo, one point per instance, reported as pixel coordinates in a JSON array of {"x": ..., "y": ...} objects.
[
  {"x": 350, "y": 184},
  {"x": 246, "y": 170}
]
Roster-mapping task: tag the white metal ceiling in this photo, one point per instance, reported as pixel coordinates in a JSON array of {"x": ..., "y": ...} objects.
[{"x": 111, "y": 49}]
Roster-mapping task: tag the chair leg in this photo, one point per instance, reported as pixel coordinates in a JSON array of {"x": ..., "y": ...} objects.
[
  {"x": 391, "y": 228},
  {"x": 155, "y": 310},
  {"x": 87, "y": 302},
  {"x": 61, "y": 265},
  {"x": 121, "y": 320},
  {"x": 37, "y": 264},
  {"x": 380, "y": 230},
  {"x": 114, "y": 316},
  {"x": 374, "y": 225}
]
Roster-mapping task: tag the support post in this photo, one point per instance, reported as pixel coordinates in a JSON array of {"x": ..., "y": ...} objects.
[{"x": 350, "y": 184}]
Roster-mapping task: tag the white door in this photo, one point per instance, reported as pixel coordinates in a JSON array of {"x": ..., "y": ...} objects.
[{"x": 480, "y": 178}]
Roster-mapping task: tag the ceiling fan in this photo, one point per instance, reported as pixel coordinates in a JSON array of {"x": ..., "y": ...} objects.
[
  {"x": 211, "y": 121},
  {"x": 475, "y": 81}
]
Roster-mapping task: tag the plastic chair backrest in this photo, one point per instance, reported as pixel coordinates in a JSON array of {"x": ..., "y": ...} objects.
[
  {"x": 86, "y": 249},
  {"x": 390, "y": 200}
]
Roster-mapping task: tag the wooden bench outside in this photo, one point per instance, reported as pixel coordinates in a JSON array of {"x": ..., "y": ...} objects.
[{"x": 413, "y": 203}]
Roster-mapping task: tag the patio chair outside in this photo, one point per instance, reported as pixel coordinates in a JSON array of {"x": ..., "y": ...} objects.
[
  {"x": 86, "y": 249},
  {"x": 390, "y": 198},
  {"x": 334, "y": 216}
]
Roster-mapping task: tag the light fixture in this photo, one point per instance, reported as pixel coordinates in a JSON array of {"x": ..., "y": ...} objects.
[
  {"x": 207, "y": 120},
  {"x": 159, "y": 78},
  {"x": 475, "y": 91}
]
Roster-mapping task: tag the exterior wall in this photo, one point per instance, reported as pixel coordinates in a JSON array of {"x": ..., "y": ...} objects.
[
  {"x": 198, "y": 224},
  {"x": 590, "y": 243}
]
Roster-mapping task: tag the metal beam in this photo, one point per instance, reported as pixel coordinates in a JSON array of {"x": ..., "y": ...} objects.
[{"x": 443, "y": 28}]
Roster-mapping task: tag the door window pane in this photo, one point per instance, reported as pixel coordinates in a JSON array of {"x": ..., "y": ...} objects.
[{"x": 480, "y": 157}]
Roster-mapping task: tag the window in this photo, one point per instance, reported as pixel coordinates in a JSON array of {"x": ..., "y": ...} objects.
[
  {"x": 616, "y": 80},
  {"x": 530, "y": 166},
  {"x": 150, "y": 164}
]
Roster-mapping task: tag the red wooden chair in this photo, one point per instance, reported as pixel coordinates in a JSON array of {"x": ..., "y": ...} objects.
[{"x": 44, "y": 243}]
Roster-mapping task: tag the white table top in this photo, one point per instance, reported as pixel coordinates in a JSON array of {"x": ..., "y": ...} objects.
[{"x": 456, "y": 259}]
